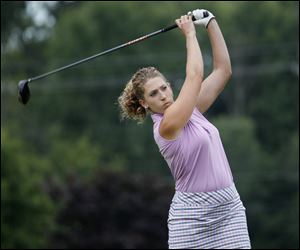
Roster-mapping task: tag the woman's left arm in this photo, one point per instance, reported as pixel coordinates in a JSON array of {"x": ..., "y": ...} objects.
[{"x": 213, "y": 85}]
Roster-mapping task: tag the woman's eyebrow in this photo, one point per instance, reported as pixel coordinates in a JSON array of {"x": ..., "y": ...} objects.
[
  {"x": 157, "y": 88},
  {"x": 152, "y": 91}
]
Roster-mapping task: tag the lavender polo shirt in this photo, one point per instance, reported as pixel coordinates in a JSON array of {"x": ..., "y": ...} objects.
[{"x": 196, "y": 157}]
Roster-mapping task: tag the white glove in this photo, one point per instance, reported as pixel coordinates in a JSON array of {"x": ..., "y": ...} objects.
[{"x": 200, "y": 17}]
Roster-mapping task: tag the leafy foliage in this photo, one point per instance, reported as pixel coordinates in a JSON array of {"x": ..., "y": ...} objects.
[
  {"x": 118, "y": 210},
  {"x": 27, "y": 212}
]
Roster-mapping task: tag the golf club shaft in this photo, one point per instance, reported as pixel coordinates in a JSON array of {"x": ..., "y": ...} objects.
[{"x": 104, "y": 52}]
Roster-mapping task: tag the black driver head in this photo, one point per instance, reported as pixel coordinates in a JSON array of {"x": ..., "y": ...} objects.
[{"x": 24, "y": 93}]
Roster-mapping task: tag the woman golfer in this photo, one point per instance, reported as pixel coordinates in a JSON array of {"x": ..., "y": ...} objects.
[{"x": 206, "y": 210}]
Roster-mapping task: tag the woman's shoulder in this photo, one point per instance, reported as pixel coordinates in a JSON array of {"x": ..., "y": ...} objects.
[
  {"x": 197, "y": 112},
  {"x": 198, "y": 115},
  {"x": 157, "y": 118}
]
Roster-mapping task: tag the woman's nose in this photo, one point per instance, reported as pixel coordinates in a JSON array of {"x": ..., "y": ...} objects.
[{"x": 163, "y": 96}]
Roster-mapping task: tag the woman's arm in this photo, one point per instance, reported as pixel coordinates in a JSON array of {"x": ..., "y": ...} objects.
[
  {"x": 213, "y": 85},
  {"x": 179, "y": 113}
]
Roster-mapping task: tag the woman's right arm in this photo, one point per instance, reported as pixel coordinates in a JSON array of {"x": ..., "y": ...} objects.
[{"x": 179, "y": 113}]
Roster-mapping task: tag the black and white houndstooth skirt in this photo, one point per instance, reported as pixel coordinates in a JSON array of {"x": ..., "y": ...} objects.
[{"x": 208, "y": 220}]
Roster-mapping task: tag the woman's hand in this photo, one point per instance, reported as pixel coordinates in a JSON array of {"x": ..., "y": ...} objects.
[
  {"x": 201, "y": 19},
  {"x": 186, "y": 25}
]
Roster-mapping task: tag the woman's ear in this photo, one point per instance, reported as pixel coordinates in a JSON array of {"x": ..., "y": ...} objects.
[{"x": 143, "y": 103}]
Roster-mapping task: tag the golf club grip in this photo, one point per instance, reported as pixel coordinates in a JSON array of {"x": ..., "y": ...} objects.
[{"x": 205, "y": 14}]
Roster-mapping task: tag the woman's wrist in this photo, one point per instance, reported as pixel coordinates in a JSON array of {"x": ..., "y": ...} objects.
[{"x": 190, "y": 35}]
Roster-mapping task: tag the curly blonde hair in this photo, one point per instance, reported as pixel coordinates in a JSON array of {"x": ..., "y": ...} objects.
[{"x": 134, "y": 91}]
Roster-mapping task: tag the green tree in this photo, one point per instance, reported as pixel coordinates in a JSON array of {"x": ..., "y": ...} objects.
[
  {"x": 12, "y": 21},
  {"x": 27, "y": 212},
  {"x": 268, "y": 184}
]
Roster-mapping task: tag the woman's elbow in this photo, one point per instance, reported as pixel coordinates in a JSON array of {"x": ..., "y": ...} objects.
[
  {"x": 224, "y": 69},
  {"x": 228, "y": 73},
  {"x": 229, "y": 69}
]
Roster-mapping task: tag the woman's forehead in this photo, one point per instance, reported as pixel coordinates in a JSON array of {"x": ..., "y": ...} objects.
[{"x": 154, "y": 83}]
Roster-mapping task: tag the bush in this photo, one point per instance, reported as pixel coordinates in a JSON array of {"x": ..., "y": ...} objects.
[{"x": 118, "y": 210}]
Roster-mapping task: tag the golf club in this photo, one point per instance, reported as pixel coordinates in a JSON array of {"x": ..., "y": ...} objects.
[{"x": 24, "y": 92}]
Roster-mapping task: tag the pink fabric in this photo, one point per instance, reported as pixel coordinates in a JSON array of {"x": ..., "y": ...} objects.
[{"x": 196, "y": 158}]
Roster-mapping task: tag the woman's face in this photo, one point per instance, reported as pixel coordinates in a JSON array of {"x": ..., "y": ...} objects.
[{"x": 158, "y": 95}]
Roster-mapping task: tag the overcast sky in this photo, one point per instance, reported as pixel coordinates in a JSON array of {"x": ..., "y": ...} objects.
[{"x": 39, "y": 13}]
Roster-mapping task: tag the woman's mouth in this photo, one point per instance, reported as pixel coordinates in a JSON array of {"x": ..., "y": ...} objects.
[{"x": 166, "y": 104}]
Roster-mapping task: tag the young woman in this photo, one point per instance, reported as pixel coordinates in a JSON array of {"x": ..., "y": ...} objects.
[{"x": 206, "y": 210}]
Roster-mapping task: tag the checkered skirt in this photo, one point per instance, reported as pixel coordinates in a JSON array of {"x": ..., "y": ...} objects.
[{"x": 208, "y": 220}]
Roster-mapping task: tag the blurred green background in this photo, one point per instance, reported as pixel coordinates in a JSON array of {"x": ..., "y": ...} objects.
[{"x": 74, "y": 176}]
